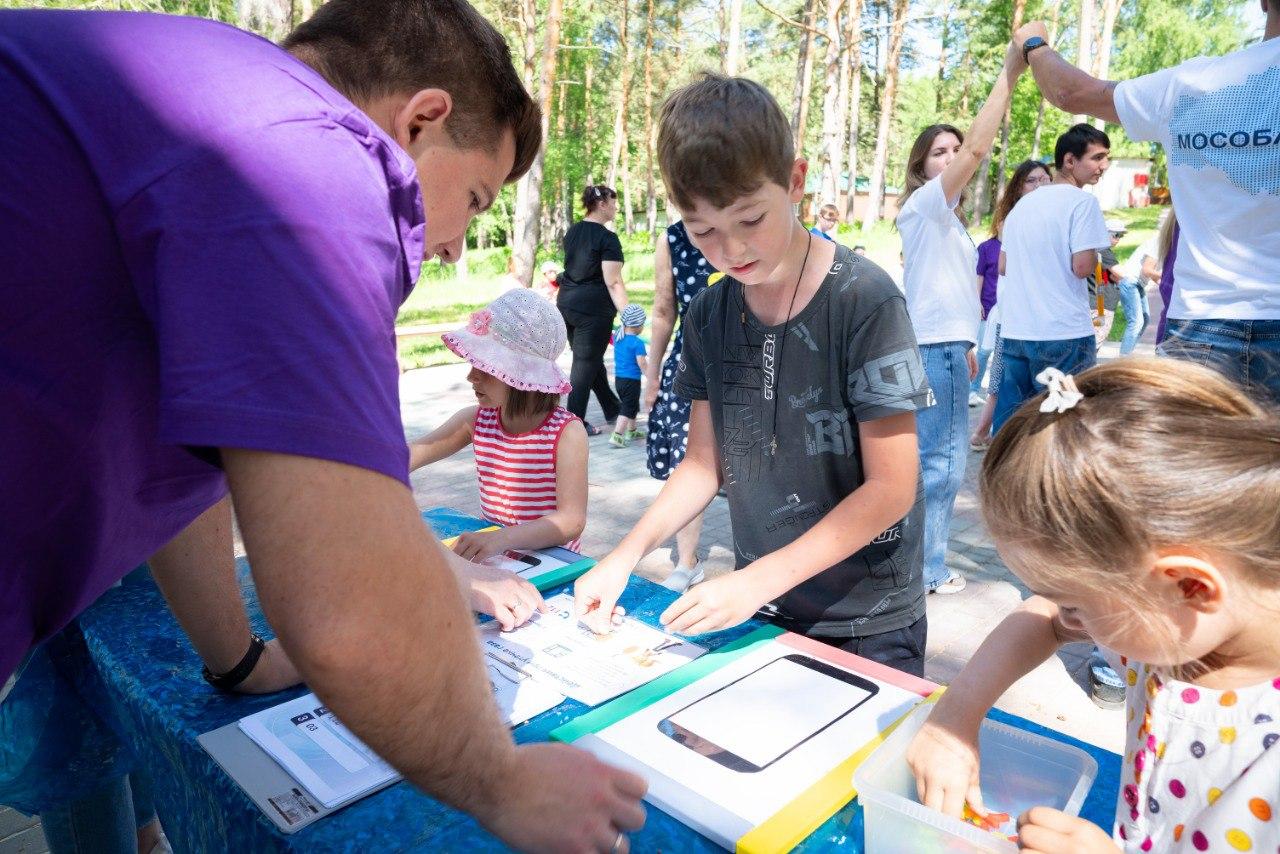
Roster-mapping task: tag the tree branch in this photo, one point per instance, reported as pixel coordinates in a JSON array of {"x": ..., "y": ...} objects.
[{"x": 799, "y": 25}]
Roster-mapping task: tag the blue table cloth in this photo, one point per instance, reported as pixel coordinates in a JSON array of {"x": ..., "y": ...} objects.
[{"x": 153, "y": 675}]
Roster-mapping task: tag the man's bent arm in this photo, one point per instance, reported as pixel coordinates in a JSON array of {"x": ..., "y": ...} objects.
[{"x": 365, "y": 604}]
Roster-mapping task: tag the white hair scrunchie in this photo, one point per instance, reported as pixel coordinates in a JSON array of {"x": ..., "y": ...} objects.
[{"x": 1063, "y": 393}]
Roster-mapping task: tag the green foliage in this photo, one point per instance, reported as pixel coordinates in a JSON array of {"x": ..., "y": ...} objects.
[{"x": 687, "y": 37}]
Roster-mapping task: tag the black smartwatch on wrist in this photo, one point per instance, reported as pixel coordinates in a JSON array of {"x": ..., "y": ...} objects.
[
  {"x": 233, "y": 677},
  {"x": 1030, "y": 45}
]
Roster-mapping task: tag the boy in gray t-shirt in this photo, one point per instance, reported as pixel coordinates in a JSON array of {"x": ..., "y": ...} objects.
[
  {"x": 849, "y": 357},
  {"x": 805, "y": 378}
]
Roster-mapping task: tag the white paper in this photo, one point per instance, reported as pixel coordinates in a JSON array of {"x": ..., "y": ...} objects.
[
  {"x": 723, "y": 803},
  {"x": 789, "y": 703},
  {"x": 558, "y": 651},
  {"x": 318, "y": 751},
  {"x": 335, "y": 766},
  {"x": 519, "y": 697}
]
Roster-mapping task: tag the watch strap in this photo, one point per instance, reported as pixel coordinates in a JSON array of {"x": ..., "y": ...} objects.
[{"x": 233, "y": 677}]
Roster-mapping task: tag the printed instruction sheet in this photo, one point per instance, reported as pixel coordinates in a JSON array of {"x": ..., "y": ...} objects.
[
  {"x": 336, "y": 767},
  {"x": 558, "y": 651}
]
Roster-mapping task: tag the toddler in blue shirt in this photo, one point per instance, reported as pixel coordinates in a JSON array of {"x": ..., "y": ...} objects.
[{"x": 629, "y": 364}]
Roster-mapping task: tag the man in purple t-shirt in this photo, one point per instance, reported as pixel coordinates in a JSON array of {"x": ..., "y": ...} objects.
[{"x": 206, "y": 241}]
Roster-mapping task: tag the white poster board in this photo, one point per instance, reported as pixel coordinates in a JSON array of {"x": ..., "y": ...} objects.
[{"x": 730, "y": 750}]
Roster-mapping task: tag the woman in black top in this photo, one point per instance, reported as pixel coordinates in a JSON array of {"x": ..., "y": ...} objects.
[{"x": 591, "y": 294}]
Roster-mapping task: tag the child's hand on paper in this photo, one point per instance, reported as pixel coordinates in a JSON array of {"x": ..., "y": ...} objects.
[
  {"x": 595, "y": 594},
  {"x": 720, "y": 603},
  {"x": 1049, "y": 831},
  {"x": 501, "y": 594},
  {"x": 944, "y": 758},
  {"x": 476, "y": 546}
]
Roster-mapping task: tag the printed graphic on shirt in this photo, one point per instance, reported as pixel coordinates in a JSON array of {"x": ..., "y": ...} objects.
[
  {"x": 813, "y": 394},
  {"x": 828, "y": 433},
  {"x": 1235, "y": 129},
  {"x": 890, "y": 381},
  {"x": 743, "y": 381},
  {"x": 795, "y": 512},
  {"x": 802, "y": 332}
]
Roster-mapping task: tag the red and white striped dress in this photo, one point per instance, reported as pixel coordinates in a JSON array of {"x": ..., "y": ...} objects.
[{"x": 517, "y": 472}]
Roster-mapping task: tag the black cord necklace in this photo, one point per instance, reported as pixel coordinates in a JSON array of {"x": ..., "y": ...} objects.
[{"x": 771, "y": 378}]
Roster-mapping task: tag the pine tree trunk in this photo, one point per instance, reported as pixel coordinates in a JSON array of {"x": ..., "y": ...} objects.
[
  {"x": 624, "y": 84},
  {"x": 269, "y": 18},
  {"x": 628, "y": 213},
  {"x": 875, "y": 195},
  {"x": 1019, "y": 9},
  {"x": 1102, "y": 61},
  {"x": 1035, "y": 139},
  {"x": 1053, "y": 39},
  {"x": 589, "y": 116},
  {"x": 942, "y": 63},
  {"x": 832, "y": 127},
  {"x": 804, "y": 77},
  {"x": 650, "y": 131},
  {"x": 734, "y": 53},
  {"x": 722, "y": 19},
  {"x": 528, "y": 215},
  {"x": 1085, "y": 43},
  {"x": 853, "y": 39}
]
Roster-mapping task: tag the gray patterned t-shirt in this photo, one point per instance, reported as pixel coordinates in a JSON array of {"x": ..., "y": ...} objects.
[{"x": 850, "y": 356}]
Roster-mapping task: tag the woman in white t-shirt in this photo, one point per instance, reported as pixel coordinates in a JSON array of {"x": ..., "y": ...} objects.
[{"x": 939, "y": 259}]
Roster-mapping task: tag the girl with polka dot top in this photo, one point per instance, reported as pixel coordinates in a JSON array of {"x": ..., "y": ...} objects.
[{"x": 1140, "y": 502}]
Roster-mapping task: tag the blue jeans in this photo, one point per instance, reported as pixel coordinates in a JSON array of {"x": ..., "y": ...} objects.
[
  {"x": 1024, "y": 359},
  {"x": 1247, "y": 351},
  {"x": 104, "y": 822},
  {"x": 1137, "y": 314},
  {"x": 983, "y": 357},
  {"x": 943, "y": 432}
]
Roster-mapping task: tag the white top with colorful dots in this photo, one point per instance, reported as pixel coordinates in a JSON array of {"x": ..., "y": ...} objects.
[{"x": 1202, "y": 767}]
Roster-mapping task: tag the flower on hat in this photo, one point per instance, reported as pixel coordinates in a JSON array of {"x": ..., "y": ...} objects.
[{"x": 479, "y": 324}]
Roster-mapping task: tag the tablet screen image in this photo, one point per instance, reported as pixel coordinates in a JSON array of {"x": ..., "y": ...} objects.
[{"x": 753, "y": 722}]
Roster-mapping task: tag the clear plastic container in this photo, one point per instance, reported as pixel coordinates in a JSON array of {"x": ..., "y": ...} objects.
[{"x": 1019, "y": 770}]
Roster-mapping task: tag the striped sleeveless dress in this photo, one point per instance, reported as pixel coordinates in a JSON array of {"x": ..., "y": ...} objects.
[{"x": 517, "y": 472}]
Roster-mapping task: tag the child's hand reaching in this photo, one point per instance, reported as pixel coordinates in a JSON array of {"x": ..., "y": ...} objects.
[
  {"x": 595, "y": 594},
  {"x": 477, "y": 546},
  {"x": 1049, "y": 831},
  {"x": 720, "y": 603},
  {"x": 944, "y": 758}
]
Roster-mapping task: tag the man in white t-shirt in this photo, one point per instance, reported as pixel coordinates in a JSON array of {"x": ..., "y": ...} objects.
[
  {"x": 1218, "y": 119},
  {"x": 1049, "y": 247}
]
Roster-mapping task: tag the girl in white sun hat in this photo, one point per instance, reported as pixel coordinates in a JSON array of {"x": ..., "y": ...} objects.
[{"x": 531, "y": 452}]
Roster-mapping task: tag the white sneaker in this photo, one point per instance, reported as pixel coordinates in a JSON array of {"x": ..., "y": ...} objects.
[
  {"x": 684, "y": 577},
  {"x": 954, "y": 583},
  {"x": 976, "y": 399}
]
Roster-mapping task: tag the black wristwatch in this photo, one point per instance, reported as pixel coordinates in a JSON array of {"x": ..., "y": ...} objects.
[
  {"x": 233, "y": 677},
  {"x": 1030, "y": 45}
]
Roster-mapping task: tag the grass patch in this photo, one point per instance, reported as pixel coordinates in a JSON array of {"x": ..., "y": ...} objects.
[{"x": 425, "y": 354}]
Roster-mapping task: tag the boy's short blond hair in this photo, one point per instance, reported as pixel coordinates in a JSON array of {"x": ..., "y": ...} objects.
[{"x": 722, "y": 138}]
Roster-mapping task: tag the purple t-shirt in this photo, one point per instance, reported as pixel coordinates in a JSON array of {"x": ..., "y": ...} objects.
[
  {"x": 989, "y": 270},
  {"x": 204, "y": 245}
]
